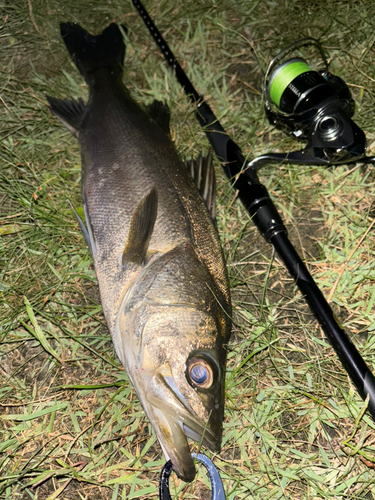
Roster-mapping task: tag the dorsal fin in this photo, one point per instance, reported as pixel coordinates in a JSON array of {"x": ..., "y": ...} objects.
[
  {"x": 141, "y": 228},
  {"x": 69, "y": 112},
  {"x": 160, "y": 112},
  {"x": 203, "y": 174}
]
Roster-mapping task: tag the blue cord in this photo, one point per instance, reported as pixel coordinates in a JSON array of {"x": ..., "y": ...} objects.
[{"x": 216, "y": 483}]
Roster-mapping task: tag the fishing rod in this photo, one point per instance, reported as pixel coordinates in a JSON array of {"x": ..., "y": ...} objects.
[{"x": 263, "y": 212}]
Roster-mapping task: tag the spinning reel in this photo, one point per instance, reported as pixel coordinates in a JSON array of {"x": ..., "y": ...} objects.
[{"x": 313, "y": 105}]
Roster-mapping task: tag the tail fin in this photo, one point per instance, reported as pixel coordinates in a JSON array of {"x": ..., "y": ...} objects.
[{"x": 90, "y": 52}]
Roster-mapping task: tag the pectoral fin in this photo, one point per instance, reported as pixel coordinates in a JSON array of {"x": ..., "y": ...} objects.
[
  {"x": 203, "y": 174},
  {"x": 141, "y": 228}
]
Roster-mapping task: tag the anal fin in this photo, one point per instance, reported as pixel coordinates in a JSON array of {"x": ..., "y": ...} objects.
[{"x": 141, "y": 227}]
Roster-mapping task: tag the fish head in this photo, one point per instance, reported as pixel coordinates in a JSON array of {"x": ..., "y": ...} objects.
[
  {"x": 180, "y": 380},
  {"x": 177, "y": 364}
]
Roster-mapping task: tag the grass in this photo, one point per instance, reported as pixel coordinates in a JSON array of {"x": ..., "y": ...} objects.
[{"x": 71, "y": 426}]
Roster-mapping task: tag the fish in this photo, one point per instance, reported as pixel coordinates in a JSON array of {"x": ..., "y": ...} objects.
[{"x": 150, "y": 227}]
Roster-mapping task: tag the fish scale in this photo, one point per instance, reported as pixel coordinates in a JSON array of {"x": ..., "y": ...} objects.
[{"x": 160, "y": 269}]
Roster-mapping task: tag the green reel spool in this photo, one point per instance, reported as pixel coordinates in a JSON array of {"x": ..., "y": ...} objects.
[
  {"x": 284, "y": 75},
  {"x": 294, "y": 87}
]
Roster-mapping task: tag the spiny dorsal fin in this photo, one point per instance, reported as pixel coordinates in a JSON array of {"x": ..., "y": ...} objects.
[
  {"x": 141, "y": 228},
  {"x": 69, "y": 112},
  {"x": 160, "y": 112},
  {"x": 203, "y": 174}
]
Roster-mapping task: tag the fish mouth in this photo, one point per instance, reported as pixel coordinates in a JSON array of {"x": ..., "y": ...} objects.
[{"x": 174, "y": 422}]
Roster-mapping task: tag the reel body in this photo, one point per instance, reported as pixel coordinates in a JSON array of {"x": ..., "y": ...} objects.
[{"x": 316, "y": 106}]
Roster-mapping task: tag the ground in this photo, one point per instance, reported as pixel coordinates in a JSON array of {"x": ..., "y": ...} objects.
[{"x": 71, "y": 426}]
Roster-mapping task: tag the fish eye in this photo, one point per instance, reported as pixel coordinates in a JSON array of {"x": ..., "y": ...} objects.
[{"x": 200, "y": 373}]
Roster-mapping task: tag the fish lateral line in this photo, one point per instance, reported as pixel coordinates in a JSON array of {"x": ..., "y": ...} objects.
[{"x": 170, "y": 304}]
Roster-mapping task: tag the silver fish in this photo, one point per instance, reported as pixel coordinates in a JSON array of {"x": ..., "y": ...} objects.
[{"x": 161, "y": 274}]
